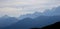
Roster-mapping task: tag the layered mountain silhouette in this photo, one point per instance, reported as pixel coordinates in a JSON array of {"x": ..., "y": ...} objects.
[
  {"x": 28, "y": 23},
  {"x": 36, "y": 20}
]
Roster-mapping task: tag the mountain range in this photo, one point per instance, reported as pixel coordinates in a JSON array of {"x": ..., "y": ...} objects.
[
  {"x": 28, "y": 21},
  {"x": 53, "y": 12}
]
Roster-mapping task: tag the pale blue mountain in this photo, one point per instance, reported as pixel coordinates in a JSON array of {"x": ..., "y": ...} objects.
[
  {"x": 53, "y": 12},
  {"x": 48, "y": 12},
  {"x": 34, "y": 15},
  {"x": 57, "y": 11}
]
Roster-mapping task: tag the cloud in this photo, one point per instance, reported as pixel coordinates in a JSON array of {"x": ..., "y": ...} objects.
[
  {"x": 20, "y": 7},
  {"x": 12, "y": 12}
]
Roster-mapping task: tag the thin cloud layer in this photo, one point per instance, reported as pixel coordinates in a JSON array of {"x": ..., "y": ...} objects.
[{"x": 21, "y": 7}]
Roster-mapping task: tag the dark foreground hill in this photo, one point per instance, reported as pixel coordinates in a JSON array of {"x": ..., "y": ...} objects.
[{"x": 52, "y": 26}]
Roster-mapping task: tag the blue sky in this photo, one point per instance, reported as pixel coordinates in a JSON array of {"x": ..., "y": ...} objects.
[{"x": 21, "y": 7}]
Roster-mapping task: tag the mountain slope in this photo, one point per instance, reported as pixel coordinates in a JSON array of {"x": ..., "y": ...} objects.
[{"x": 6, "y": 21}]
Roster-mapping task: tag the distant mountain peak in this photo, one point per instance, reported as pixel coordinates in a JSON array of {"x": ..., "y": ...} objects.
[
  {"x": 53, "y": 11},
  {"x": 5, "y": 16},
  {"x": 28, "y": 18}
]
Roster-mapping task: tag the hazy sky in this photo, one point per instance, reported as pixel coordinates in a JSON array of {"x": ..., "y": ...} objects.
[{"x": 20, "y": 7}]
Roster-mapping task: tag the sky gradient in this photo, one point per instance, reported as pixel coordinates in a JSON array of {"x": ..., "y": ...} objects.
[{"x": 21, "y": 7}]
